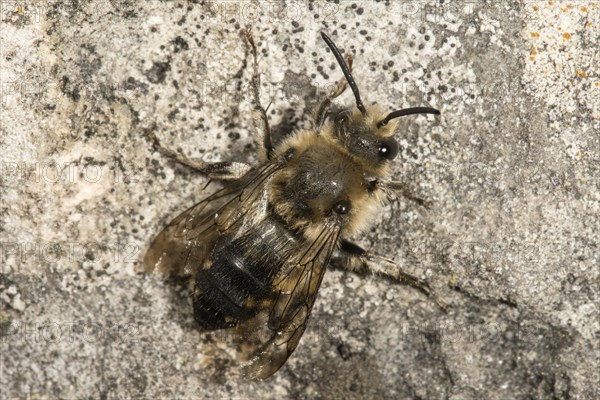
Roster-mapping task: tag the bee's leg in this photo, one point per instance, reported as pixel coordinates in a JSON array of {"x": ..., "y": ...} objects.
[
  {"x": 261, "y": 120},
  {"x": 362, "y": 262},
  {"x": 396, "y": 188},
  {"x": 320, "y": 112},
  {"x": 224, "y": 171}
]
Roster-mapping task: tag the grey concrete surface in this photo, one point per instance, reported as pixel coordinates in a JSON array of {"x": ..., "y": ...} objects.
[{"x": 512, "y": 168}]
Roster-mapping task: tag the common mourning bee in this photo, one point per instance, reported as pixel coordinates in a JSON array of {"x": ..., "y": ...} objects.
[{"x": 256, "y": 251}]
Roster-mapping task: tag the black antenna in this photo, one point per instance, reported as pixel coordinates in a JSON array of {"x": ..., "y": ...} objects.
[
  {"x": 346, "y": 72},
  {"x": 407, "y": 111}
]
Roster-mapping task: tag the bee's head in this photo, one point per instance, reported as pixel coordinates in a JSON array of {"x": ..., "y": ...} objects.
[{"x": 365, "y": 131}]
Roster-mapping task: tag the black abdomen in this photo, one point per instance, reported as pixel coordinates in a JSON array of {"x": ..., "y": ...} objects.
[{"x": 242, "y": 268}]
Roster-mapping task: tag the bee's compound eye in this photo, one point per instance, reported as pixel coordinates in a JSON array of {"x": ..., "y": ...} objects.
[
  {"x": 388, "y": 148},
  {"x": 343, "y": 207}
]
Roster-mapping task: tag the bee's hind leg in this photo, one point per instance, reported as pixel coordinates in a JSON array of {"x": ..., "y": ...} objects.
[
  {"x": 362, "y": 262},
  {"x": 261, "y": 120},
  {"x": 224, "y": 171}
]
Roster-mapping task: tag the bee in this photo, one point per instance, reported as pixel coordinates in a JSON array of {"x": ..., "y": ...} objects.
[{"x": 256, "y": 250}]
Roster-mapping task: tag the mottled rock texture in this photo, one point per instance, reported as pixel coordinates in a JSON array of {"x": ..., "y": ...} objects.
[{"x": 512, "y": 168}]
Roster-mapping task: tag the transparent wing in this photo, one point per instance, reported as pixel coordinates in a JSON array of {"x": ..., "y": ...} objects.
[
  {"x": 268, "y": 339},
  {"x": 183, "y": 246}
]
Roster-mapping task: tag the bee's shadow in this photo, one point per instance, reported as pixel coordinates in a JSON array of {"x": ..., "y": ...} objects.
[
  {"x": 289, "y": 123},
  {"x": 303, "y": 95},
  {"x": 180, "y": 300},
  {"x": 218, "y": 364}
]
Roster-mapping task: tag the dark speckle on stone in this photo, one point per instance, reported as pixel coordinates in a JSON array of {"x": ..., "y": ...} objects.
[
  {"x": 88, "y": 132},
  {"x": 89, "y": 255},
  {"x": 88, "y": 160},
  {"x": 70, "y": 89},
  {"x": 180, "y": 44},
  {"x": 234, "y": 136},
  {"x": 158, "y": 72},
  {"x": 172, "y": 114},
  {"x": 344, "y": 351}
]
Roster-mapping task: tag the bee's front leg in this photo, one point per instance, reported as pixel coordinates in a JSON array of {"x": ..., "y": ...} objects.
[
  {"x": 362, "y": 262},
  {"x": 260, "y": 114},
  {"x": 224, "y": 171}
]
